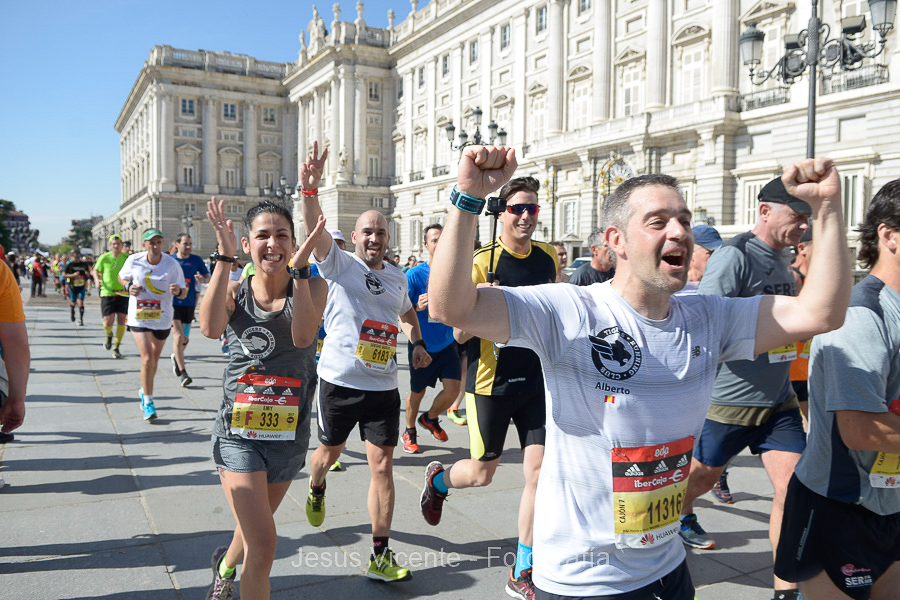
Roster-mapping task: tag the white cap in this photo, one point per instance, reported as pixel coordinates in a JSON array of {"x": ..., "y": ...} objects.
[{"x": 336, "y": 235}]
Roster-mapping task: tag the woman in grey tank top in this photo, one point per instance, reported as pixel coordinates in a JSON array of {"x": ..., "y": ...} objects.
[{"x": 261, "y": 431}]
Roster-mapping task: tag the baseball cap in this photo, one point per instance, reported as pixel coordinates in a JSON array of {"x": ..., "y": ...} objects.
[
  {"x": 807, "y": 237},
  {"x": 706, "y": 236},
  {"x": 115, "y": 236},
  {"x": 150, "y": 234},
  {"x": 337, "y": 236},
  {"x": 774, "y": 192}
]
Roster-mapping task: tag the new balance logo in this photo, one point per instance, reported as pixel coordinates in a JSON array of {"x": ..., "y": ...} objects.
[
  {"x": 634, "y": 471},
  {"x": 661, "y": 467},
  {"x": 682, "y": 462}
]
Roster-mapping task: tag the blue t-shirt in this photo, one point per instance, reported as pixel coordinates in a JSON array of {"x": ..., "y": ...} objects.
[
  {"x": 190, "y": 265},
  {"x": 437, "y": 336}
]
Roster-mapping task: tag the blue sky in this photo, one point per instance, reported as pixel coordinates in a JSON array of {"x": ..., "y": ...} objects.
[{"x": 67, "y": 67}]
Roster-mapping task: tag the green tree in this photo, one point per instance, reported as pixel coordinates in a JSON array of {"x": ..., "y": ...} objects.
[
  {"x": 81, "y": 238},
  {"x": 5, "y": 207}
]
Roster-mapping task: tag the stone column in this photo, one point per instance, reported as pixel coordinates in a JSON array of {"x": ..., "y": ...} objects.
[
  {"x": 167, "y": 144},
  {"x": 556, "y": 69},
  {"x": 288, "y": 143},
  {"x": 360, "y": 126},
  {"x": 334, "y": 133},
  {"x": 603, "y": 59},
  {"x": 347, "y": 77},
  {"x": 319, "y": 107},
  {"x": 251, "y": 177},
  {"x": 520, "y": 68},
  {"x": 431, "y": 77},
  {"x": 486, "y": 41},
  {"x": 153, "y": 151},
  {"x": 210, "y": 146},
  {"x": 302, "y": 133},
  {"x": 657, "y": 44},
  {"x": 725, "y": 47},
  {"x": 408, "y": 111}
]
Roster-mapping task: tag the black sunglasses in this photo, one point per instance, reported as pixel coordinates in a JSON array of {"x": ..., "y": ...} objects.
[{"x": 519, "y": 209}]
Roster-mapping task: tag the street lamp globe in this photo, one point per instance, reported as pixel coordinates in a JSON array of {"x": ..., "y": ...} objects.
[
  {"x": 752, "y": 45},
  {"x": 476, "y": 117},
  {"x": 451, "y": 131},
  {"x": 883, "y": 12}
]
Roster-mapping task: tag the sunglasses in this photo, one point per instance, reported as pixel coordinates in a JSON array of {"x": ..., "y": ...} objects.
[{"x": 519, "y": 209}]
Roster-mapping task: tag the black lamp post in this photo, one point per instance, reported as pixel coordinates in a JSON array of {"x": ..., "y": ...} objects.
[
  {"x": 283, "y": 192},
  {"x": 494, "y": 133},
  {"x": 812, "y": 48}
]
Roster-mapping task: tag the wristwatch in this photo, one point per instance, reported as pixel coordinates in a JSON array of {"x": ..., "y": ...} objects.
[
  {"x": 222, "y": 257},
  {"x": 303, "y": 273},
  {"x": 420, "y": 342}
]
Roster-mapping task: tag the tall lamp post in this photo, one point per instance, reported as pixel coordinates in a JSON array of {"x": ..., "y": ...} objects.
[
  {"x": 283, "y": 192},
  {"x": 494, "y": 133},
  {"x": 813, "y": 48}
]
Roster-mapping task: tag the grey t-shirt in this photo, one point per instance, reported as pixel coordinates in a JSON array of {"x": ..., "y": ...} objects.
[
  {"x": 742, "y": 267},
  {"x": 856, "y": 367},
  {"x": 267, "y": 384},
  {"x": 586, "y": 275}
]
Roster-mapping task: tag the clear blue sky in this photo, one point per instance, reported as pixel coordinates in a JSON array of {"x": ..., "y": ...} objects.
[{"x": 67, "y": 67}]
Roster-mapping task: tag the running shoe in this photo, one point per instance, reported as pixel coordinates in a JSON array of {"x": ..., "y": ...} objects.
[
  {"x": 175, "y": 368},
  {"x": 337, "y": 466},
  {"x": 185, "y": 379},
  {"x": 693, "y": 535},
  {"x": 521, "y": 587},
  {"x": 720, "y": 489},
  {"x": 433, "y": 426},
  {"x": 108, "y": 343},
  {"x": 116, "y": 353},
  {"x": 147, "y": 407},
  {"x": 410, "y": 445},
  {"x": 432, "y": 501},
  {"x": 81, "y": 322},
  {"x": 222, "y": 588},
  {"x": 315, "y": 508},
  {"x": 453, "y": 415},
  {"x": 384, "y": 567}
]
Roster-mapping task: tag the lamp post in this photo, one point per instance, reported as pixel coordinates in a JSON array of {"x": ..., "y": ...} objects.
[
  {"x": 813, "y": 48},
  {"x": 494, "y": 133},
  {"x": 283, "y": 192}
]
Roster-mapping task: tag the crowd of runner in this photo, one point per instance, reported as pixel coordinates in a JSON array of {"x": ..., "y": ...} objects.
[{"x": 659, "y": 360}]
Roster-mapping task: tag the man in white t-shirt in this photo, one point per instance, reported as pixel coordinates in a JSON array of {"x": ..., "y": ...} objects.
[
  {"x": 358, "y": 383},
  {"x": 628, "y": 369}
]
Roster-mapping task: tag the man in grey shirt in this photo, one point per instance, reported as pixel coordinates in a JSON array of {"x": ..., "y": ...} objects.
[
  {"x": 602, "y": 266},
  {"x": 841, "y": 532},
  {"x": 753, "y": 402}
]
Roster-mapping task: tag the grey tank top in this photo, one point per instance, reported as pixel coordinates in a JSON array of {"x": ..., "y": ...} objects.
[{"x": 267, "y": 383}]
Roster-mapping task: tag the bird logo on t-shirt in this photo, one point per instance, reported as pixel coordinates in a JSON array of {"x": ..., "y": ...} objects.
[
  {"x": 374, "y": 284},
  {"x": 615, "y": 354}
]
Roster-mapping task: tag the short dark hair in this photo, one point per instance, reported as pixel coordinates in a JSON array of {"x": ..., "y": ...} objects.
[
  {"x": 267, "y": 206},
  {"x": 437, "y": 226},
  {"x": 885, "y": 208},
  {"x": 181, "y": 236},
  {"x": 520, "y": 184},
  {"x": 617, "y": 211},
  {"x": 557, "y": 243}
]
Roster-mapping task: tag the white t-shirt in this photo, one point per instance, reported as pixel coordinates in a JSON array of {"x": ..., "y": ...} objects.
[
  {"x": 151, "y": 309},
  {"x": 361, "y": 321},
  {"x": 626, "y": 397}
]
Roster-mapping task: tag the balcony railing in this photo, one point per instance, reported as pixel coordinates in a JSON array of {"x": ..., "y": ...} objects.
[
  {"x": 441, "y": 170},
  {"x": 840, "y": 81},
  {"x": 190, "y": 189},
  {"x": 379, "y": 181},
  {"x": 779, "y": 95},
  {"x": 396, "y": 179},
  {"x": 416, "y": 176}
]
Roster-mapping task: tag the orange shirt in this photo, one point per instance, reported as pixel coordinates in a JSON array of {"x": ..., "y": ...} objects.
[
  {"x": 800, "y": 365},
  {"x": 11, "y": 310}
]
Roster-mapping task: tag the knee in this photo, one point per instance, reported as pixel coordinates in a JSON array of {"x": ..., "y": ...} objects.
[
  {"x": 483, "y": 477},
  {"x": 260, "y": 551},
  {"x": 382, "y": 467}
]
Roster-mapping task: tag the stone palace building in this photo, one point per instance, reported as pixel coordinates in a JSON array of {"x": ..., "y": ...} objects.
[{"x": 589, "y": 92}]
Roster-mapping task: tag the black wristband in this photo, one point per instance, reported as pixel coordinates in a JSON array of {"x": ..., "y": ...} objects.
[
  {"x": 466, "y": 203},
  {"x": 420, "y": 342},
  {"x": 223, "y": 257},
  {"x": 303, "y": 273}
]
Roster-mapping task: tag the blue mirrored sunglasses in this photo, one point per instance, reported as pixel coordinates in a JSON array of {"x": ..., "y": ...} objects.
[{"x": 519, "y": 209}]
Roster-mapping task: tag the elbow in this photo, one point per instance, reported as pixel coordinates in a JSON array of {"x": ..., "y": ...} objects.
[
  {"x": 857, "y": 440},
  {"x": 304, "y": 340}
]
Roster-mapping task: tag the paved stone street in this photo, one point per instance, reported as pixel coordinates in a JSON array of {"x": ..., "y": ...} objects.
[{"x": 99, "y": 503}]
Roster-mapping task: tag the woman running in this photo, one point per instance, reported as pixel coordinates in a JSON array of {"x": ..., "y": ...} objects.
[
  {"x": 261, "y": 431},
  {"x": 152, "y": 279}
]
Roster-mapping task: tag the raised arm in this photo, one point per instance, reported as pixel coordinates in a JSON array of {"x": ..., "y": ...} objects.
[
  {"x": 217, "y": 305},
  {"x": 310, "y": 174},
  {"x": 310, "y": 294},
  {"x": 452, "y": 297},
  {"x": 822, "y": 303}
]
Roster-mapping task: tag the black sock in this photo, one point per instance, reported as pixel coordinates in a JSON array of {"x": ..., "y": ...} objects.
[
  {"x": 81, "y": 312},
  {"x": 318, "y": 490},
  {"x": 379, "y": 545},
  {"x": 787, "y": 594}
]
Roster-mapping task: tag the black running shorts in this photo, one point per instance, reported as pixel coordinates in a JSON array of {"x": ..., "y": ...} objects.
[
  {"x": 853, "y": 545},
  {"x": 677, "y": 585},
  {"x": 341, "y": 409},
  {"x": 489, "y": 418},
  {"x": 185, "y": 314},
  {"x": 112, "y": 305},
  {"x": 159, "y": 334}
]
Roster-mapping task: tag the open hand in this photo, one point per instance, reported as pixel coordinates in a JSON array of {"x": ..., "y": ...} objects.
[
  {"x": 224, "y": 228},
  {"x": 301, "y": 257}
]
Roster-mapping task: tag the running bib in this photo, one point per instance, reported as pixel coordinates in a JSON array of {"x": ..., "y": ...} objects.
[
  {"x": 319, "y": 343},
  {"x": 121, "y": 293},
  {"x": 804, "y": 349},
  {"x": 885, "y": 472},
  {"x": 266, "y": 407},
  {"x": 649, "y": 484},
  {"x": 377, "y": 345},
  {"x": 783, "y": 354},
  {"x": 78, "y": 281},
  {"x": 148, "y": 310}
]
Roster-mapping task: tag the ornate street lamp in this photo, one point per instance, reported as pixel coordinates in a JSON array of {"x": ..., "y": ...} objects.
[
  {"x": 283, "y": 192},
  {"x": 494, "y": 133},
  {"x": 813, "y": 48}
]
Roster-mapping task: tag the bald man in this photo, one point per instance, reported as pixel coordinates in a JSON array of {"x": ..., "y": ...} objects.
[{"x": 358, "y": 384}]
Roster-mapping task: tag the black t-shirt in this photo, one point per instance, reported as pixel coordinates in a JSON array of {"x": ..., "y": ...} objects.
[
  {"x": 586, "y": 275},
  {"x": 80, "y": 270}
]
